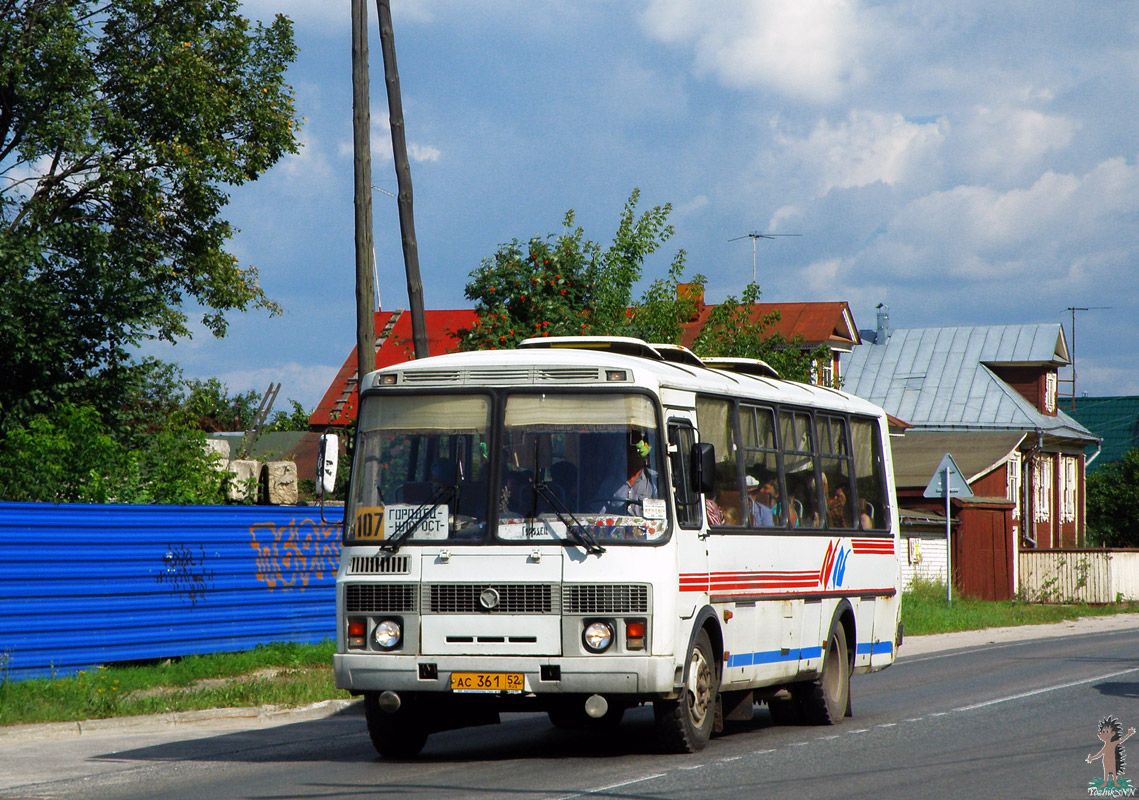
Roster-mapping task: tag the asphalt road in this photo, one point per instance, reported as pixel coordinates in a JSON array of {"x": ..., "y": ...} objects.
[{"x": 992, "y": 714}]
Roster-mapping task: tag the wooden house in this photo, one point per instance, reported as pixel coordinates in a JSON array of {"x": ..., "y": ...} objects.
[{"x": 988, "y": 379}]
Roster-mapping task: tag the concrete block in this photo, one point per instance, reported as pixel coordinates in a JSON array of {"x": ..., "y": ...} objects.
[
  {"x": 243, "y": 479},
  {"x": 279, "y": 479},
  {"x": 219, "y": 448}
]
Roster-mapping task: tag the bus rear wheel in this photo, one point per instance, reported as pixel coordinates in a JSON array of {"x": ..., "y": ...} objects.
[
  {"x": 397, "y": 734},
  {"x": 825, "y": 700},
  {"x": 684, "y": 725}
]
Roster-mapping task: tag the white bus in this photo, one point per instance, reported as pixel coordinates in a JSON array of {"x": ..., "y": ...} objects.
[{"x": 584, "y": 525}]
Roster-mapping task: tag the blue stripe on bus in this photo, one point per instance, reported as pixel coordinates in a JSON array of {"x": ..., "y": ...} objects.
[
  {"x": 876, "y": 649},
  {"x": 776, "y": 656},
  {"x": 772, "y": 656}
]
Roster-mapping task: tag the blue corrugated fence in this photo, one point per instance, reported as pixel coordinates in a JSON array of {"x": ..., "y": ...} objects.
[{"x": 82, "y": 585}]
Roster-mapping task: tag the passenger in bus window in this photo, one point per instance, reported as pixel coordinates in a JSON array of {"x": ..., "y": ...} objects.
[
  {"x": 838, "y": 509},
  {"x": 713, "y": 511},
  {"x": 639, "y": 484},
  {"x": 866, "y": 516},
  {"x": 760, "y": 497}
]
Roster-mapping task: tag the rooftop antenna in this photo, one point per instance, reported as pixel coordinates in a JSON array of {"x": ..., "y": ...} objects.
[
  {"x": 756, "y": 235},
  {"x": 1073, "y": 310}
]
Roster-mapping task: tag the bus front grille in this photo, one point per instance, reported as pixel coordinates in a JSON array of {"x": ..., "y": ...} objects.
[
  {"x": 380, "y": 565},
  {"x": 605, "y": 598},
  {"x": 373, "y": 598},
  {"x": 506, "y": 598}
]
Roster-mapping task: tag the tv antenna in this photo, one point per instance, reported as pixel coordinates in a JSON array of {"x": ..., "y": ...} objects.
[
  {"x": 756, "y": 235},
  {"x": 1073, "y": 310}
]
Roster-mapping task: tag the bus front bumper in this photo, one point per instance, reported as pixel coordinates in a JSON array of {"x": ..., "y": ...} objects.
[{"x": 633, "y": 675}]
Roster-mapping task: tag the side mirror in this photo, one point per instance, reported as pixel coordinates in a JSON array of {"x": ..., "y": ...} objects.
[
  {"x": 702, "y": 460},
  {"x": 326, "y": 460}
]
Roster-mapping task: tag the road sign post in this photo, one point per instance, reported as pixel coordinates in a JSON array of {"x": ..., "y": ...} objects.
[{"x": 948, "y": 481}]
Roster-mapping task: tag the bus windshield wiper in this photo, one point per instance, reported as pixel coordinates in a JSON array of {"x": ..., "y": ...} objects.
[
  {"x": 561, "y": 510},
  {"x": 441, "y": 495}
]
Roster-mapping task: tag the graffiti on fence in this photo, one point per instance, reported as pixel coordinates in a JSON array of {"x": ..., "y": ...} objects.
[
  {"x": 185, "y": 572},
  {"x": 290, "y": 555}
]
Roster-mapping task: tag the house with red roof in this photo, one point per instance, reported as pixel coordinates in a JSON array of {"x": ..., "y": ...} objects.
[{"x": 831, "y": 324}]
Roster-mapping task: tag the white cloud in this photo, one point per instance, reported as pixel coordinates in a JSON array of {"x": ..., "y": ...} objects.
[
  {"x": 382, "y": 144},
  {"x": 807, "y": 49},
  {"x": 865, "y": 148},
  {"x": 423, "y": 152},
  {"x": 1002, "y": 143},
  {"x": 308, "y": 170}
]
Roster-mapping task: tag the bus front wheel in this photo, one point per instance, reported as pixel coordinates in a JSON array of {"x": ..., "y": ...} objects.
[
  {"x": 684, "y": 725},
  {"x": 398, "y": 734}
]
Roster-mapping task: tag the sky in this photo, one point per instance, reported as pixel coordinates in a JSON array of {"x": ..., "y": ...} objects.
[{"x": 965, "y": 163}]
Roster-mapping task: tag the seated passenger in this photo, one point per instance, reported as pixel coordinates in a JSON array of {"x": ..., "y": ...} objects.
[
  {"x": 760, "y": 498},
  {"x": 639, "y": 484}
]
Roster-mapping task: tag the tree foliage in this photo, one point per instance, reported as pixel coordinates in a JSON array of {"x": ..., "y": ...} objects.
[
  {"x": 70, "y": 455},
  {"x": 1113, "y": 503},
  {"x": 151, "y": 449},
  {"x": 122, "y": 125},
  {"x": 568, "y": 285}
]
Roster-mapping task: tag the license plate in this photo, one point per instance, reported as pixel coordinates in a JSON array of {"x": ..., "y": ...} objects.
[{"x": 486, "y": 682}]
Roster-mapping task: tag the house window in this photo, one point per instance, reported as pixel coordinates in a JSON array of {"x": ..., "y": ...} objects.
[
  {"x": 1068, "y": 480},
  {"x": 1012, "y": 486},
  {"x": 1042, "y": 489},
  {"x": 1050, "y": 392},
  {"x": 823, "y": 373}
]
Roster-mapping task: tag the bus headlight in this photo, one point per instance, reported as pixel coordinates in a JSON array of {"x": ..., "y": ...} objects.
[
  {"x": 388, "y": 634},
  {"x": 597, "y": 636}
]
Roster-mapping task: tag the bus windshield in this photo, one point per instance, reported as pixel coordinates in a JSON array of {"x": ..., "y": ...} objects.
[
  {"x": 582, "y": 469},
  {"x": 421, "y": 469},
  {"x": 581, "y": 464}
]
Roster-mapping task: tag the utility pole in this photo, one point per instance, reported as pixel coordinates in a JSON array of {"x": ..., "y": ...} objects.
[
  {"x": 753, "y": 236},
  {"x": 403, "y": 178},
  {"x": 362, "y": 196}
]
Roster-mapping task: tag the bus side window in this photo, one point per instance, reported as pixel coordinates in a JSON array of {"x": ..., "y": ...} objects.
[{"x": 681, "y": 437}]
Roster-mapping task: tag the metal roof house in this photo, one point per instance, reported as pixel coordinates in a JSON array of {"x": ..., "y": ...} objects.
[{"x": 983, "y": 379}]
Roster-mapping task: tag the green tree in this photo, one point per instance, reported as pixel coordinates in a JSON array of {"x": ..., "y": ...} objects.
[
  {"x": 568, "y": 285},
  {"x": 69, "y": 455},
  {"x": 1113, "y": 503},
  {"x": 122, "y": 127}
]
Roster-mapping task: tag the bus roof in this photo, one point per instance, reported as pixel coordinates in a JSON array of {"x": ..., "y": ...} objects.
[{"x": 610, "y": 361}]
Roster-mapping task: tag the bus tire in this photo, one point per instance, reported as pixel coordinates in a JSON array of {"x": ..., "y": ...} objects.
[
  {"x": 824, "y": 700},
  {"x": 684, "y": 725},
  {"x": 394, "y": 735}
]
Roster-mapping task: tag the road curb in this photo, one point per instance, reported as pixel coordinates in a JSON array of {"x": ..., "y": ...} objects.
[
  {"x": 260, "y": 715},
  {"x": 941, "y": 642}
]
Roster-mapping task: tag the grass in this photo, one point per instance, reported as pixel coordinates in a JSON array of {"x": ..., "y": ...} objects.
[
  {"x": 298, "y": 674},
  {"x": 925, "y": 611},
  {"x": 281, "y": 674}
]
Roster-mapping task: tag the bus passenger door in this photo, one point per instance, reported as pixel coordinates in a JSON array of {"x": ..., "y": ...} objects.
[{"x": 691, "y": 550}]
